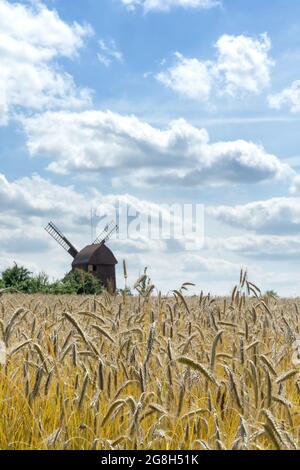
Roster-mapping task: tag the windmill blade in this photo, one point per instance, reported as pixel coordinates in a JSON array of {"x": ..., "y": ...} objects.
[
  {"x": 61, "y": 239},
  {"x": 107, "y": 233}
]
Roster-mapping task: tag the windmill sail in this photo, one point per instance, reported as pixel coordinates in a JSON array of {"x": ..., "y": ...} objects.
[
  {"x": 61, "y": 239},
  {"x": 106, "y": 234}
]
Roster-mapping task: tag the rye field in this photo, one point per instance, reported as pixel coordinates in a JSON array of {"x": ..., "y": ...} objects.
[{"x": 149, "y": 372}]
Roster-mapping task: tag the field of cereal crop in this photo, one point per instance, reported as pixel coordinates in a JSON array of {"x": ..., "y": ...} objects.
[{"x": 148, "y": 372}]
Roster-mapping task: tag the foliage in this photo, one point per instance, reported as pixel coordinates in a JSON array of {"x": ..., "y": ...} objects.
[
  {"x": 21, "y": 279},
  {"x": 18, "y": 277},
  {"x": 81, "y": 282}
]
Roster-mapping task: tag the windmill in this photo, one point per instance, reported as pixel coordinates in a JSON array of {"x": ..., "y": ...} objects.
[{"x": 97, "y": 258}]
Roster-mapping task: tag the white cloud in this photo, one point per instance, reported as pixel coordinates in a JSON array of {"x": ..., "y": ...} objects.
[
  {"x": 257, "y": 246},
  {"x": 28, "y": 203},
  {"x": 295, "y": 186},
  {"x": 167, "y": 5},
  {"x": 109, "y": 53},
  {"x": 32, "y": 38},
  {"x": 271, "y": 216},
  {"x": 35, "y": 196},
  {"x": 289, "y": 97},
  {"x": 242, "y": 65},
  {"x": 181, "y": 154},
  {"x": 189, "y": 77}
]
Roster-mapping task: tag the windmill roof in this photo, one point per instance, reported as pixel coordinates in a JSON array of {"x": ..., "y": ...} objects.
[{"x": 96, "y": 255}]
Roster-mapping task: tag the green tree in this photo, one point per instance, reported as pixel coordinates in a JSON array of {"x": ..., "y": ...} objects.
[{"x": 17, "y": 277}]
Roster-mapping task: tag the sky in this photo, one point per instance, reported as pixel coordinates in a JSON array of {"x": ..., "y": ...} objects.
[{"x": 151, "y": 102}]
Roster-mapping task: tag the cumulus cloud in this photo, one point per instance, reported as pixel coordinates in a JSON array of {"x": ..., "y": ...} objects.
[
  {"x": 180, "y": 154},
  {"x": 242, "y": 65},
  {"x": 35, "y": 196},
  {"x": 289, "y": 98},
  {"x": 189, "y": 77},
  {"x": 32, "y": 38},
  {"x": 270, "y": 247},
  {"x": 295, "y": 186},
  {"x": 271, "y": 216},
  {"x": 167, "y": 5},
  {"x": 28, "y": 203}
]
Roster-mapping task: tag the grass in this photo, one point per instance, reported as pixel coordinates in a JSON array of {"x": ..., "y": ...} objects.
[{"x": 149, "y": 372}]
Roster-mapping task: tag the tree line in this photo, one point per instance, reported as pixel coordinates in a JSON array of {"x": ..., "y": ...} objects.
[{"x": 23, "y": 280}]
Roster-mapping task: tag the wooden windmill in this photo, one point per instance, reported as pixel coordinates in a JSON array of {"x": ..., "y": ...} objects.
[{"x": 96, "y": 259}]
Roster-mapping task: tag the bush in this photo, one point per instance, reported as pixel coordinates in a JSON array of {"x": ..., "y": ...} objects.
[
  {"x": 39, "y": 283},
  {"x": 75, "y": 282},
  {"x": 81, "y": 282}
]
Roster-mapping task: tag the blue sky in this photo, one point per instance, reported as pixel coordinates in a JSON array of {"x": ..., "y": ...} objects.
[{"x": 154, "y": 102}]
